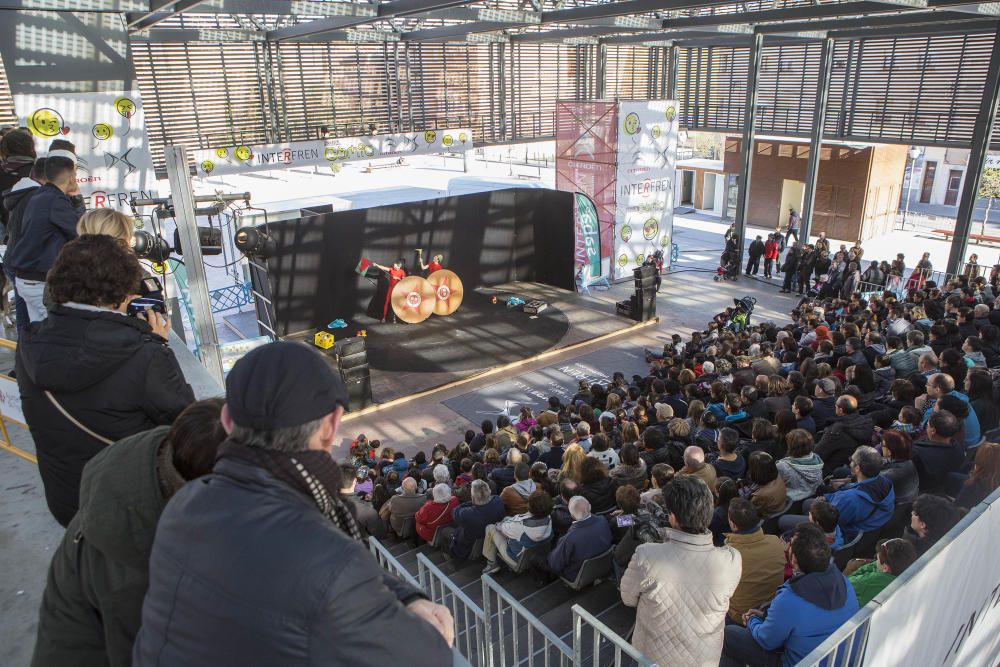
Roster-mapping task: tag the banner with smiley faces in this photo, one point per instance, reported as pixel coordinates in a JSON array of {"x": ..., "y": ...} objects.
[
  {"x": 329, "y": 152},
  {"x": 108, "y": 132},
  {"x": 644, "y": 211}
]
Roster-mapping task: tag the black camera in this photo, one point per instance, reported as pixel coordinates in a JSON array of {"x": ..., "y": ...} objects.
[{"x": 150, "y": 298}]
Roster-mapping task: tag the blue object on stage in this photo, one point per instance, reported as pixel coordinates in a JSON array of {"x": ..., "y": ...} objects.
[
  {"x": 337, "y": 324},
  {"x": 514, "y": 302}
]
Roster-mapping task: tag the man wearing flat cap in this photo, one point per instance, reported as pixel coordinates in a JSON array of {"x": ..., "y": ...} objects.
[{"x": 261, "y": 562}]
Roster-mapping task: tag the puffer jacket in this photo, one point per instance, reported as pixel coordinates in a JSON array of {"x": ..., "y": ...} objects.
[
  {"x": 15, "y": 201},
  {"x": 110, "y": 372},
  {"x": 49, "y": 222},
  {"x": 246, "y": 570},
  {"x": 681, "y": 589},
  {"x": 101, "y": 568},
  {"x": 864, "y": 506},
  {"x": 841, "y": 437},
  {"x": 802, "y": 476}
]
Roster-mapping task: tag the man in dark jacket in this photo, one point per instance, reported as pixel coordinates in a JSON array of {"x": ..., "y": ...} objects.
[
  {"x": 867, "y": 504},
  {"x": 260, "y": 562},
  {"x": 848, "y": 431},
  {"x": 824, "y": 403},
  {"x": 17, "y": 155},
  {"x": 589, "y": 536},
  {"x": 15, "y": 201},
  {"x": 49, "y": 222},
  {"x": 471, "y": 518},
  {"x": 754, "y": 252},
  {"x": 99, "y": 574},
  {"x": 561, "y": 518},
  {"x": 937, "y": 454},
  {"x": 90, "y": 375}
]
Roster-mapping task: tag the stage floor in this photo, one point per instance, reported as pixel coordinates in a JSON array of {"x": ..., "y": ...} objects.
[{"x": 408, "y": 358}]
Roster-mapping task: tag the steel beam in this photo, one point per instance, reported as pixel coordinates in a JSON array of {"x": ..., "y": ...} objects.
[
  {"x": 801, "y": 13},
  {"x": 707, "y": 32},
  {"x": 568, "y": 33},
  {"x": 816, "y": 141},
  {"x": 746, "y": 158},
  {"x": 900, "y": 21},
  {"x": 160, "y": 10},
  {"x": 384, "y": 11},
  {"x": 981, "y": 134},
  {"x": 602, "y": 71}
]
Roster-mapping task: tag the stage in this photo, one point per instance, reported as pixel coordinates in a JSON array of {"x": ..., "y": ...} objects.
[{"x": 409, "y": 358}]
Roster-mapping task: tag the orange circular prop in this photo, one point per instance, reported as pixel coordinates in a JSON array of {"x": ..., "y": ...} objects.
[
  {"x": 448, "y": 291},
  {"x": 413, "y": 299}
]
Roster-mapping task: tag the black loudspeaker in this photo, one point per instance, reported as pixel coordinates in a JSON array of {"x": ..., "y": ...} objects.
[
  {"x": 646, "y": 283},
  {"x": 644, "y": 276},
  {"x": 352, "y": 361}
]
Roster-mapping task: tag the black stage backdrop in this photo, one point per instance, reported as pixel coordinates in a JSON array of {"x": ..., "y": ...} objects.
[{"x": 487, "y": 238}]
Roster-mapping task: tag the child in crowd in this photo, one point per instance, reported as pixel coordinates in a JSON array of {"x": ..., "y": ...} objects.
[
  {"x": 908, "y": 420},
  {"x": 826, "y": 516}
]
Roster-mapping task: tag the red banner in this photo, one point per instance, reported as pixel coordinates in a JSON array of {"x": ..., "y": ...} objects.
[{"x": 586, "y": 159}]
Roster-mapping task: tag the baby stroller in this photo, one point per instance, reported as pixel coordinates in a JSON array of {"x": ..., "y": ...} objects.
[
  {"x": 739, "y": 319},
  {"x": 728, "y": 270}
]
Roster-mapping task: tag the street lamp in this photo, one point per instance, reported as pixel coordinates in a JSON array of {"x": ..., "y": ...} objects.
[{"x": 912, "y": 155}]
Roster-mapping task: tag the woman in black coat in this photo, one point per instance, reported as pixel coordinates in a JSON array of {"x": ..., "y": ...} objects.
[
  {"x": 596, "y": 486},
  {"x": 90, "y": 375}
]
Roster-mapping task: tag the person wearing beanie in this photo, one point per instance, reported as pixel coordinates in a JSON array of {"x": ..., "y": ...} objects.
[{"x": 261, "y": 562}]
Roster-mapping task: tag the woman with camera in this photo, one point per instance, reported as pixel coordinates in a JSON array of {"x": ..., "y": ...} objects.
[{"x": 90, "y": 374}]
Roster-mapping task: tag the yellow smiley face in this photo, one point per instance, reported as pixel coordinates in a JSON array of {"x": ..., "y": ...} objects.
[
  {"x": 631, "y": 123},
  {"x": 430, "y": 136},
  {"x": 102, "y": 131},
  {"x": 242, "y": 153},
  {"x": 207, "y": 166},
  {"x": 650, "y": 228},
  {"x": 447, "y": 140},
  {"x": 656, "y": 132},
  {"x": 221, "y": 153},
  {"x": 622, "y": 259},
  {"x": 125, "y": 107},
  {"x": 639, "y": 259},
  {"x": 670, "y": 112},
  {"x": 626, "y": 232},
  {"x": 461, "y": 137},
  {"x": 45, "y": 123}
]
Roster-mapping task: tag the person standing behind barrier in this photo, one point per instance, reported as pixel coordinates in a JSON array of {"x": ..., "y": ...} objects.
[
  {"x": 261, "y": 562},
  {"x": 92, "y": 603},
  {"x": 754, "y": 253},
  {"x": 90, "y": 375},
  {"x": 681, "y": 588},
  {"x": 771, "y": 254},
  {"x": 790, "y": 268}
]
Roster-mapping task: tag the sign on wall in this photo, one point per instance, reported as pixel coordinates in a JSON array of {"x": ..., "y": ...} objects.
[
  {"x": 331, "y": 152},
  {"x": 108, "y": 131},
  {"x": 644, "y": 211}
]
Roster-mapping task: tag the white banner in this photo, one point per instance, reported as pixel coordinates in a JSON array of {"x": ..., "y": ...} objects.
[
  {"x": 332, "y": 152},
  {"x": 644, "y": 206},
  {"x": 948, "y": 614},
  {"x": 109, "y": 133},
  {"x": 10, "y": 400}
]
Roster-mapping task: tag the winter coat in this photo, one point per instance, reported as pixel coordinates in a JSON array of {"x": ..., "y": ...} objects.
[
  {"x": 987, "y": 413},
  {"x": 515, "y": 497},
  {"x": 771, "y": 250},
  {"x": 470, "y": 524},
  {"x": 525, "y": 531},
  {"x": 755, "y": 249},
  {"x": 401, "y": 507},
  {"x": 763, "y": 559},
  {"x": 904, "y": 478},
  {"x": 432, "y": 516},
  {"x": 802, "y": 476},
  {"x": 49, "y": 222},
  {"x": 902, "y": 363},
  {"x": 868, "y": 581},
  {"x": 101, "y": 568},
  {"x": 246, "y": 570},
  {"x": 110, "y": 372},
  {"x": 601, "y": 494},
  {"x": 807, "y": 609},
  {"x": 973, "y": 433},
  {"x": 934, "y": 461},
  {"x": 824, "y": 410},
  {"x": 681, "y": 590},
  {"x": 15, "y": 201},
  {"x": 503, "y": 476},
  {"x": 585, "y": 539},
  {"x": 864, "y": 506},
  {"x": 770, "y": 498},
  {"x": 884, "y": 377},
  {"x": 13, "y": 170},
  {"x": 632, "y": 475},
  {"x": 841, "y": 437},
  {"x": 553, "y": 457}
]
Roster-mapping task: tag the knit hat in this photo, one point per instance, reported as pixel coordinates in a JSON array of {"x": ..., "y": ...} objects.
[
  {"x": 281, "y": 385},
  {"x": 822, "y": 332}
]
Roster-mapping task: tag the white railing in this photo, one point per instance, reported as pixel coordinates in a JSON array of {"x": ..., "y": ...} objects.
[
  {"x": 846, "y": 646},
  {"x": 389, "y": 562},
  {"x": 470, "y": 620},
  {"x": 592, "y": 648},
  {"x": 515, "y": 636}
]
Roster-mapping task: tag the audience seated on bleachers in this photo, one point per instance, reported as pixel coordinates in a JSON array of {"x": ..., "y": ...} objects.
[
  {"x": 403, "y": 506},
  {"x": 436, "y": 513},
  {"x": 509, "y": 538},
  {"x": 763, "y": 558},
  {"x": 588, "y": 536},
  {"x": 515, "y": 496},
  {"x": 472, "y": 517}
]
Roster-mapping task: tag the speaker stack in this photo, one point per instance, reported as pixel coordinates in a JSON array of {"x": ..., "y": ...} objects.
[
  {"x": 641, "y": 306},
  {"x": 352, "y": 362}
]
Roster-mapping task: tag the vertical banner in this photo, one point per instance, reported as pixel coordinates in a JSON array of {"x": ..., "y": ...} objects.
[
  {"x": 588, "y": 235},
  {"x": 644, "y": 211},
  {"x": 109, "y": 133},
  {"x": 586, "y": 155}
]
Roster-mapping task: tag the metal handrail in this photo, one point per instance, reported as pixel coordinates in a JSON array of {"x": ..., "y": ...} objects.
[
  {"x": 843, "y": 647},
  {"x": 549, "y": 639},
  {"x": 470, "y": 620},
  {"x": 601, "y": 633},
  {"x": 389, "y": 562}
]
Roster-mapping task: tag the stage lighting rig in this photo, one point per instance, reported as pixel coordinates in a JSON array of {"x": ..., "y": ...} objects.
[
  {"x": 150, "y": 246},
  {"x": 255, "y": 241}
]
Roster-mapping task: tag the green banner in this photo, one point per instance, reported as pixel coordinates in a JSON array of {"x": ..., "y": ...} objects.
[{"x": 588, "y": 235}]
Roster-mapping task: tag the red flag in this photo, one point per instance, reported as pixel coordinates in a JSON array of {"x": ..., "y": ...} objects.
[{"x": 363, "y": 265}]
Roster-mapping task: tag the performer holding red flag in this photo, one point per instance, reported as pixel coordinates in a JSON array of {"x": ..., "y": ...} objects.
[{"x": 395, "y": 273}]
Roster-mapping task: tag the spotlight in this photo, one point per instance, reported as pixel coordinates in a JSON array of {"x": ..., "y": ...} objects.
[
  {"x": 210, "y": 239},
  {"x": 255, "y": 241},
  {"x": 149, "y": 246}
]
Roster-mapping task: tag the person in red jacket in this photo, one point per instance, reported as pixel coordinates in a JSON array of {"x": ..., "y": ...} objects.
[
  {"x": 436, "y": 513},
  {"x": 770, "y": 254}
]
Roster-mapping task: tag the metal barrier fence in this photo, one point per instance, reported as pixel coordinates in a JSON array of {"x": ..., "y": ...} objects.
[
  {"x": 229, "y": 297},
  {"x": 602, "y": 646},
  {"x": 846, "y": 646},
  {"x": 471, "y": 627},
  {"x": 389, "y": 562},
  {"x": 515, "y": 636}
]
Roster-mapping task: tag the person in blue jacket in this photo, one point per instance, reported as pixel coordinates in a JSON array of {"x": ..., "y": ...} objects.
[
  {"x": 868, "y": 503},
  {"x": 587, "y": 537},
  {"x": 940, "y": 385},
  {"x": 807, "y": 609},
  {"x": 472, "y": 518},
  {"x": 48, "y": 223}
]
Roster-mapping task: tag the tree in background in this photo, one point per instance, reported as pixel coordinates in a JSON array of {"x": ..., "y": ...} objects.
[{"x": 989, "y": 189}]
